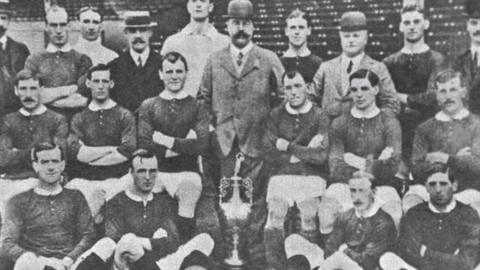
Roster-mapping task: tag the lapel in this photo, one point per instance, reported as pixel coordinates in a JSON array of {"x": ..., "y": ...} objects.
[
  {"x": 336, "y": 66},
  {"x": 151, "y": 65},
  {"x": 471, "y": 70},
  {"x": 253, "y": 62},
  {"x": 226, "y": 62},
  {"x": 14, "y": 54},
  {"x": 365, "y": 63}
]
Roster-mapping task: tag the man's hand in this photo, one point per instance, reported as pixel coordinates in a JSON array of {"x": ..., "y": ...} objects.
[
  {"x": 386, "y": 153},
  {"x": 316, "y": 141},
  {"x": 67, "y": 262},
  {"x": 282, "y": 144},
  {"x": 403, "y": 98},
  {"x": 55, "y": 263},
  {"x": 423, "y": 249},
  {"x": 466, "y": 151},
  {"x": 355, "y": 161},
  {"x": 437, "y": 157},
  {"x": 162, "y": 139}
]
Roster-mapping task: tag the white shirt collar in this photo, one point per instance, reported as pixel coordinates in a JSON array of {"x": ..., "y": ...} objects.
[
  {"x": 87, "y": 43},
  {"x": 3, "y": 40},
  {"x": 39, "y": 110},
  {"x": 356, "y": 113},
  {"x": 305, "y": 109},
  {"x": 371, "y": 212},
  {"x": 43, "y": 192},
  {"x": 235, "y": 51},
  {"x": 304, "y": 52},
  {"x": 93, "y": 106},
  {"x": 137, "y": 198},
  {"x": 53, "y": 49},
  {"x": 442, "y": 116},
  {"x": 420, "y": 49},
  {"x": 144, "y": 55},
  {"x": 208, "y": 30},
  {"x": 356, "y": 60},
  {"x": 167, "y": 95},
  {"x": 448, "y": 209}
]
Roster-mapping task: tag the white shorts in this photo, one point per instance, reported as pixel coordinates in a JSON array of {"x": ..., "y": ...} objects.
[
  {"x": 341, "y": 192},
  {"x": 467, "y": 196},
  {"x": 295, "y": 188}
]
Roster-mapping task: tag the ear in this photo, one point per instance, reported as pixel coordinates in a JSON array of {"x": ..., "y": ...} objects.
[
  {"x": 160, "y": 74},
  {"x": 401, "y": 27},
  {"x": 62, "y": 165},
  {"x": 35, "y": 166},
  {"x": 112, "y": 84},
  {"x": 376, "y": 89},
  {"x": 88, "y": 83},
  {"x": 210, "y": 7},
  {"x": 455, "y": 186},
  {"x": 16, "y": 91},
  {"x": 309, "y": 31}
]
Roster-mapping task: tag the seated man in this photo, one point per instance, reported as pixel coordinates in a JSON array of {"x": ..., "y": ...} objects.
[
  {"x": 359, "y": 237},
  {"x": 440, "y": 234},
  {"x": 140, "y": 227},
  {"x": 296, "y": 140},
  {"x": 365, "y": 139},
  {"x": 452, "y": 137},
  {"x": 47, "y": 226},
  {"x": 173, "y": 127}
]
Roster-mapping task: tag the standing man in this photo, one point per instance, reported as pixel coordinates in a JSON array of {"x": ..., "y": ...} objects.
[
  {"x": 90, "y": 43},
  {"x": 332, "y": 78},
  {"x": 239, "y": 85},
  {"x": 61, "y": 69},
  {"x": 468, "y": 63},
  {"x": 412, "y": 70},
  {"x": 135, "y": 71},
  {"x": 196, "y": 42}
]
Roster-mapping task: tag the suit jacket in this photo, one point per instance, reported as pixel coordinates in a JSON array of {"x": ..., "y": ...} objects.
[
  {"x": 133, "y": 84},
  {"x": 18, "y": 53},
  {"x": 328, "y": 85},
  {"x": 240, "y": 103},
  {"x": 471, "y": 75}
]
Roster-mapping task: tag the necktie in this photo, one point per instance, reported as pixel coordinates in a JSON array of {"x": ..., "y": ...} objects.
[
  {"x": 240, "y": 59},
  {"x": 140, "y": 62},
  {"x": 350, "y": 67}
]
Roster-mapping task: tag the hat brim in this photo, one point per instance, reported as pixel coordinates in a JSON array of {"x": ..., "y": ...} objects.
[
  {"x": 153, "y": 24},
  {"x": 238, "y": 17},
  {"x": 353, "y": 28}
]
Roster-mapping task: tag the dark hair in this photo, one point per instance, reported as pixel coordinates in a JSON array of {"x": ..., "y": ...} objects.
[
  {"x": 87, "y": 8},
  {"x": 297, "y": 13},
  {"x": 291, "y": 73},
  {"x": 365, "y": 74},
  {"x": 26, "y": 75},
  {"x": 411, "y": 7},
  {"x": 448, "y": 74},
  {"x": 365, "y": 175},
  {"x": 173, "y": 57},
  {"x": 140, "y": 153},
  {"x": 44, "y": 146},
  {"x": 439, "y": 168},
  {"x": 99, "y": 67}
]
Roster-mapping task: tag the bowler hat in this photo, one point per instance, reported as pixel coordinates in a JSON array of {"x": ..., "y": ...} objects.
[
  {"x": 353, "y": 21},
  {"x": 240, "y": 9},
  {"x": 138, "y": 19},
  {"x": 472, "y": 8},
  {"x": 5, "y": 7}
]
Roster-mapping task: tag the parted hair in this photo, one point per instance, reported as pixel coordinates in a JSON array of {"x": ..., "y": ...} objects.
[{"x": 371, "y": 76}]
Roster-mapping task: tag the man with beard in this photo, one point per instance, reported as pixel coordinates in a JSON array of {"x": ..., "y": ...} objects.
[
  {"x": 412, "y": 69},
  {"x": 135, "y": 71},
  {"x": 90, "y": 43},
  {"x": 359, "y": 237},
  {"x": 452, "y": 138},
  {"x": 332, "y": 78},
  {"x": 61, "y": 69},
  {"x": 439, "y": 234},
  {"x": 468, "y": 63},
  {"x": 196, "y": 42},
  {"x": 239, "y": 85}
]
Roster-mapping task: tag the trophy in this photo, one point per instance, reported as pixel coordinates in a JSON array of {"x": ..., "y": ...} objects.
[{"x": 235, "y": 199}]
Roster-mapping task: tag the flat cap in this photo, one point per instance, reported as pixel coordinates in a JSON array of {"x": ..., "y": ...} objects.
[
  {"x": 472, "y": 7},
  {"x": 240, "y": 9},
  {"x": 138, "y": 19},
  {"x": 353, "y": 21}
]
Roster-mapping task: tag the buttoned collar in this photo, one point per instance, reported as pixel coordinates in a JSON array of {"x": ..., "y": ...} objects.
[
  {"x": 442, "y": 116},
  {"x": 304, "y": 109},
  {"x": 41, "y": 109},
  {"x": 421, "y": 49},
  {"x": 303, "y": 52},
  {"x": 107, "y": 105},
  {"x": 53, "y": 49},
  {"x": 356, "y": 113},
  {"x": 235, "y": 51},
  {"x": 167, "y": 95},
  {"x": 42, "y": 192},
  {"x": 355, "y": 60},
  {"x": 370, "y": 212},
  {"x": 448, "y": 209},
  {"x": 144, "y": 55},
  {"x": 137, "y": 198},
  {"x": 4, "y": 40},
  {"x": 207, "y": 30}
]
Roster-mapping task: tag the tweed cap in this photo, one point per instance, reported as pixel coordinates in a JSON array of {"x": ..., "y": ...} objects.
[
  {"x": 353, "y": 21},
  {"x": 240, "y": 9}
]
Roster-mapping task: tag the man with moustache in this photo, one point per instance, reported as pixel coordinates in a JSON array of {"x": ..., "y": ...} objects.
[
  {"x": 61, "y": 69},
  {"x": 240, "y": 85},
  {"x": 332, "y": 78},
  {"x": 196, "y": 42},
  {"x": 452, "y": 138},
  {"x": 90, "y": 42},
  {"x": 439, "y": 234},
  {"x": 412, "y": 70},
  {"x": 360, "y": 235},
  {"x": 135, "y": 71},
  {"x": 468, "y": 63}
]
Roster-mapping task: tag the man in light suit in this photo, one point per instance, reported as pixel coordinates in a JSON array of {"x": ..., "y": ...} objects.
[
  {"x": 331, "y": 79},
  {"x": 239, "y": 86}
]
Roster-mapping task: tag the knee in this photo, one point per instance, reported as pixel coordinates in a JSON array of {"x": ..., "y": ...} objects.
[
  {"x": 328, "y": 210},
  {"x": 410, "y": 201},
  {"x": 190, "y": 187},
  {"x": 277, "y": 211},
  {"x": 309, "y": 211},
  {"x": 104, "y": 248},
  {"x": 394, "y": 209}
]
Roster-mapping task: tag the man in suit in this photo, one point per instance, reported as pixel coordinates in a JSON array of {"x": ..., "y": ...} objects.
[
  {"x": 468, "y": 62},
  {"x": 331, "y": 80},
  {"x": 135, "y": 71},
  {"x": 239, "y": 85}
]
